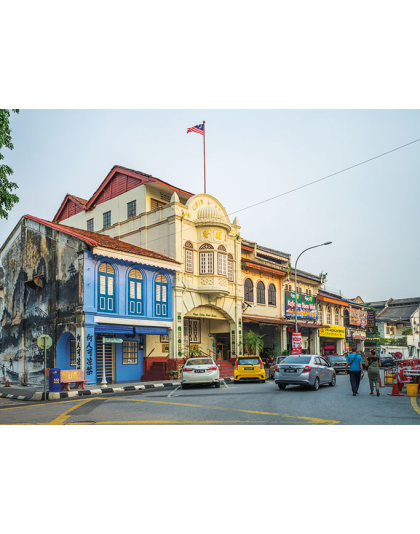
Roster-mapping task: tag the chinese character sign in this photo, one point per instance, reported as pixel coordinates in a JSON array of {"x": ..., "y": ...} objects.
[
  {"x": 296, "y": 343},
  {"x": 306, "y": 306}
]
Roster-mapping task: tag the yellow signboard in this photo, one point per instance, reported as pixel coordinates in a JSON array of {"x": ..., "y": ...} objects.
[
  {"x": 69, "y": 375},
  {"x": 333, "y": 331}
]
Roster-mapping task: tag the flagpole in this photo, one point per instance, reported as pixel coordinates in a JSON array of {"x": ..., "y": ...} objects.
[{"x": 204, "y": 149}]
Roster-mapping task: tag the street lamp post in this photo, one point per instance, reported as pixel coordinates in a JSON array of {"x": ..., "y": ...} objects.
[{"x": 316, "y": 246}]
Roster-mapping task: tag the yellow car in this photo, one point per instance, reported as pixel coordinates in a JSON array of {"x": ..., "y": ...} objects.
[{"x": 249, "y": 368}]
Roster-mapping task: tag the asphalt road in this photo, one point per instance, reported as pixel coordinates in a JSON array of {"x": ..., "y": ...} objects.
[{"x": 247, "y": 403}]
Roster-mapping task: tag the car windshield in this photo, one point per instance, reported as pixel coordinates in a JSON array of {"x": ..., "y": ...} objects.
[
  {"x": 297, "y": 359},
  {"x": 386, "y": 357},
  {"x": 280, "y": 359},
  {"x": 336, "y": 358},
  {"x": 248, "y": 361},
  {"x": 200, "y": 361}
]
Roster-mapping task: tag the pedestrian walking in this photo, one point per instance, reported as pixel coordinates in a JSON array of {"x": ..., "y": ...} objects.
[
  {"x": 374, "y": 363},
  {"x": 354, "y": 367}
]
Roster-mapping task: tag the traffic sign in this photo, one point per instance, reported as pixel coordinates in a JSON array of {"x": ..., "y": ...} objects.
[
  {"x": 44, "y": 342},
  {"x": 112, "y": 340}
]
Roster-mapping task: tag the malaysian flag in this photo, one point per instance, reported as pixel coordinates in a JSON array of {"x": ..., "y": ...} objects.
[{"x": 197, "y": 129}]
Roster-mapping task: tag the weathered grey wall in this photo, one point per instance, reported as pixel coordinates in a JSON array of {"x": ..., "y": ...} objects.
[{"x": 26, "y": 313}]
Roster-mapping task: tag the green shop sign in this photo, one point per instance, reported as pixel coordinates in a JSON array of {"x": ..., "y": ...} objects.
[{"x": 306, "y": 305}]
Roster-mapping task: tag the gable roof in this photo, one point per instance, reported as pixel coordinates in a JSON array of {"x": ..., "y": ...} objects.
[
  {"x": 79, "y": 203},
  {"x": 141, "y": 176},
  {"x": 395, "y": 313},
  {"x": 98, "y": 240},
  {"x": 136, "y": 178}
]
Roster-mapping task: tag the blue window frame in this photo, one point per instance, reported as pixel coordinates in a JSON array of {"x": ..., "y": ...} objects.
[
  {"x": 106, "y": 290},
  {"x": 135, "y": 292},
  {"x": 161, "y": 296}
]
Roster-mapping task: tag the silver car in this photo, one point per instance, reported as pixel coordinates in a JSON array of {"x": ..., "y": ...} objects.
[{"x": 306, "y": 370}]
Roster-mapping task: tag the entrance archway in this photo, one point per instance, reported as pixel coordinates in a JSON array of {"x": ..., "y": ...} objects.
[{"x": 65, "y": 345}]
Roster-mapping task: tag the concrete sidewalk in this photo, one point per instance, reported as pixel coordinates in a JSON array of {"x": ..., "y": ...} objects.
[{"x": 37, "y": 393}]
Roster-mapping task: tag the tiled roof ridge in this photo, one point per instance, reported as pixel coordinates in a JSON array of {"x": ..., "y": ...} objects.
[{"x": 99, "y": 240}]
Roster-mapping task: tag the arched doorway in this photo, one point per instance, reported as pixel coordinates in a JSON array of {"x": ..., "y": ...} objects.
[{"x": 66, "y": 351}]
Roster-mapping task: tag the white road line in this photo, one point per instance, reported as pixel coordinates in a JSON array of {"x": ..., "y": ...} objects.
[
  {"x": 224, "y": 382},
  {"x": 172, "y": 392}
]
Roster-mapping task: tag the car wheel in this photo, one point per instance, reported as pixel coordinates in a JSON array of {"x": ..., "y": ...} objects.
[
  {"x": 183, "y": 386},
  {"x": 282, "y": 386},
  {"x": 333, "y": 380},
  {"x": 217, "y": 384},
  {"x": 262, "y": 381},
  {"x": 315, "y": 387}
]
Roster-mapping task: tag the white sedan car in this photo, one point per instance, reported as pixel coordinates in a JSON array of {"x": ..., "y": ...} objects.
[{"x": 200, "y": 371}]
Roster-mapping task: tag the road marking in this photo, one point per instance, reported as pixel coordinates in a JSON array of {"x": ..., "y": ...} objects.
[
  {"x": 172, "y": 392},
  {"x": 312, "y": 419},
  {"x": 226, "y": 386},
  {"x": 415, "y": 405},
  {"x": 63, "y": 417},
  {"x": 167, "y": 422},
  {"x": 43, "y": 404}
]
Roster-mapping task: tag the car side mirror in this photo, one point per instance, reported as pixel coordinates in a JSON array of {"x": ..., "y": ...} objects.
[{"x": 218, "y": 364}]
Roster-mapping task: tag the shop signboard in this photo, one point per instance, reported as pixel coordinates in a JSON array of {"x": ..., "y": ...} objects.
[
  {"x": 371, "y": 322},
  {"x": 358, "y": 317},
  {"x": 358, "y": 334},
  {"x": 306, "y": 305},
  {"x": 296, "y": 343},
  {"x": 332, "y": 331}
]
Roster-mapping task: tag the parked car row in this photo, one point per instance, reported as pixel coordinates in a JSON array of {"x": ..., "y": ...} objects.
[{"x": 305, "y": 370}]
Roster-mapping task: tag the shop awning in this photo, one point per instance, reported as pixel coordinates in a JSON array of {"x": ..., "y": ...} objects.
[
  {"x": 153, "y": 330},
  {"x": 113, "y": 329},
  {"x": 262, "y": 320},
  {"x": 127, "y": 329}
]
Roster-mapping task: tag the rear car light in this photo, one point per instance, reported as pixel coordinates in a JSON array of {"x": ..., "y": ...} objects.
[
  {"x": 261, "y": 365},
  {"x": 188, "y": 369},
  {"x": 212, "y": 368},
  {"x": 277, "y": 369},
  {"x": 306, "y": 369},
  {"x": 236, "y": 365}
]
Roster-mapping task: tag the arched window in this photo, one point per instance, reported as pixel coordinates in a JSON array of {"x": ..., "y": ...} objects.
[
  {"x": 328, "y": 315},
  {"x": 206, "y": 259},
  {"x": 135, "y": 295},
  {"x": 161, "y": 293},
  {"x": 106, "y": 292},
  {"x": 260, "y": 293},
  {"x": 248, "y": 291},
  {"x": 272, "y": 294},
  {"x": 189, "y": 266},
  {"x": 337, "y": 317},
  {"x": 230, "y": 268},
  {"x": 222, "y": 260},
  {"x": 320, "y": 318}
]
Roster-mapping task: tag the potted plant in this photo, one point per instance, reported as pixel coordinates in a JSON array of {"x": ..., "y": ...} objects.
[
  {"x": 253, "y": 342},
  {"x": 172, "y": 374}
]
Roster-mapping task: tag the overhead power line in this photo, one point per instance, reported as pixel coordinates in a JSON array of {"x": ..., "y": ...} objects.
[
  {"x": 324, "y": 178},
  {"x": 305, "y": 185}
]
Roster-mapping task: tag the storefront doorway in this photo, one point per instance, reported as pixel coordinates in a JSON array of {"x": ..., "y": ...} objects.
[
  {"x": 223, "y": 346},
  {"x": 109, "y": 361}
]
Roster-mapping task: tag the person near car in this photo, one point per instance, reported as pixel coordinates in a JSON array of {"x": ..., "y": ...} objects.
[
  {"x": 354, "y": 367},
  {"x": 374, "y": 362}
]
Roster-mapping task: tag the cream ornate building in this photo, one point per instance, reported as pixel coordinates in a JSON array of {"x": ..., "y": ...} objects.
[{"x": 196, "y": 231}]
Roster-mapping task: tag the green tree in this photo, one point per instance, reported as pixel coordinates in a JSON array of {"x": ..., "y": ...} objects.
[
  {"x": 7, "y": 198},
  {"x": 253, "y": 342}
]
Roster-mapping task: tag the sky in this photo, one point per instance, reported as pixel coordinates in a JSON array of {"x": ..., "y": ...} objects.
[{"x": 370, "y": 213}]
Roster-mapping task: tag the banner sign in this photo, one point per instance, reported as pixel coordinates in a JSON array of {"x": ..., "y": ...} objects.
[
  {"x": 358, "y": 334},
  {"x": 333, "y": 331},
  {"x": 306, "y": 305},
  {"x": 296, "y": 343},
  {"x": 371, "y": 322},
  {"x": 358, "y": 317},
  {"x": 111, "y": 340}
]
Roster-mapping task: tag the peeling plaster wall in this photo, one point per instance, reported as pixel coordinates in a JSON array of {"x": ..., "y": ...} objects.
[{"x": 25, "y": 313}]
